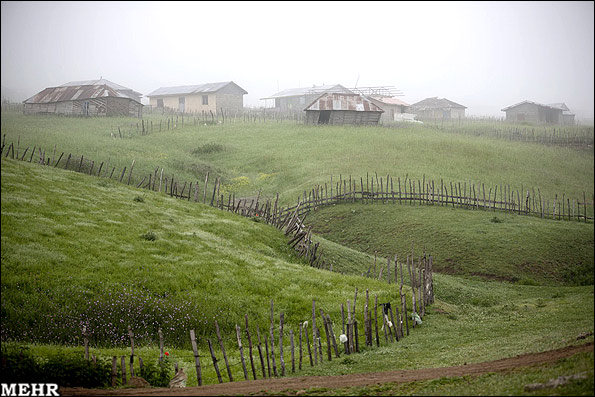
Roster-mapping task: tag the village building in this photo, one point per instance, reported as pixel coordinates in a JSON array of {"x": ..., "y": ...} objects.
[
  {"x": 210, "y": 97},
  {"x": 438, "y": 109},
  {"x": 538, "y": 113},
  {"x": 341, "y": 109},
  {"x": 86, "y": 98},
  {"x": 295, "y": 99},
  {"x": 567, "y": 115},
  {"x": 392, "y": 107}
]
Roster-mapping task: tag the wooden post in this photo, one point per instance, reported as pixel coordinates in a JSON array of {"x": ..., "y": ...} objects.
[
  {"x": 301, "y": 351},
  {"x": 292, "y": 351},
  {"x": 281, "y": 358},
  {"x": 196, "y": 358},
  {"x": 314, "y": 331},
  {"x": 308, "y": 344},
  {"x": 266, "y": 346},
  {"x": 114, "y": 370},
  {"x": 241, "y": 352},
  {"x": 328, "y": 337},
  {"x": 160, "y": 344},
  {"x": 123, "y": 364},
  {"x": 366, "y": 330},
  {"x": 395, "y": 325},
  {"x": 376, "y": 319},
  {"x": 214, "y": 361},
  {"x": 259, "y": 346},
  {"x": 250, "y": 348},
  {"x": 86, "y": 342},
  {"x": 223, "y": 351},
  {"x": 130, "y": 174},
  {"x": 356, "y": 336},
  {"x": 131, "y": 336}
]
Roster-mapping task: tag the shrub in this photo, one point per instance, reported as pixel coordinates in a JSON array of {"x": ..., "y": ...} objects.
[
  {"x": 157, "y": 374},
  {"x": 149, "y": 236},
  {"x": 139, "y": 199},
  {"x": 208, "y": 148},
  {"x": 68, "y": 370}
]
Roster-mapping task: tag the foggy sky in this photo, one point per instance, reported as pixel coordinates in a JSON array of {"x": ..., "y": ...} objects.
[{"x": 484, "y": 55}]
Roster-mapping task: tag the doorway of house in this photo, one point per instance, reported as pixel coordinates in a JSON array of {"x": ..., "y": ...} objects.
[{"x": 325, "y": 116}]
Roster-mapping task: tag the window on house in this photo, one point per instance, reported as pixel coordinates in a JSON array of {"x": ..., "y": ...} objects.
[
  {"x": 205, "y": 99},
  {"x": 159, "y": 103}
]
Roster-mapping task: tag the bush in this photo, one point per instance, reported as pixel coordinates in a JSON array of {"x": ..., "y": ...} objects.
[
  {"x": 157, "y": 374},
  {"x": 208, "y": 148},
  {"x": 149, "y": 236},
  {"x": 67, "y": 370}
]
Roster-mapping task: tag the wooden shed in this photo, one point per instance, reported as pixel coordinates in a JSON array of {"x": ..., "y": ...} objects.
[
  {"x": 438, "y": 109},
  {"x": 208, "y": 97},
  {"x": 86, "y": 98},
  {"x": 533, "y": 112},
  {"x": 336, "y": 108}
]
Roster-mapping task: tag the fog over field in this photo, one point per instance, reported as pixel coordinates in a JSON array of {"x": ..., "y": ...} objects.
[{"x": 483, "y": 55}]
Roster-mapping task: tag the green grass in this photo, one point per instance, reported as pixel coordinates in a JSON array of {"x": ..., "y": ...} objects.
[
  {"x": 81, "y": 250},
  {"x": 288, "y": 158},
  {"x": 487, "y": 244},
  {"x": 73, "y": 252}
]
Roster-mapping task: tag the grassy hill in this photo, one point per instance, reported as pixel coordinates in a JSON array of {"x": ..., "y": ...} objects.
[
  {"x": 486, "y": 244},
  {"x": 80, "y": 250},
  {"x": 287, "y": 158}
]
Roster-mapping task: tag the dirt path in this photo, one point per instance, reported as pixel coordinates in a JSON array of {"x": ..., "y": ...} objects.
[{"x": 365, "y": 379}]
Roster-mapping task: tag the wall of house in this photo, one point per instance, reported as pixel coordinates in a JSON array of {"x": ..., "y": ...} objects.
[
  {"x": 440, "y": 114},
  {"x": 123, "y": 107},
  {"x": 526, "y": 112},
  {"x": 227, "y": 99},
  {"x": 345, "y": 117}
]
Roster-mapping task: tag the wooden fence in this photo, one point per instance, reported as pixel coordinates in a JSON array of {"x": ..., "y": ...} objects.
[
  {"x": 267, "y": 355},
  {"x": 291, "y": 219}
]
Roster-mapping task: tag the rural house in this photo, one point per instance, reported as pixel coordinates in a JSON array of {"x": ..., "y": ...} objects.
[
  {"x": 538, "y": 113},
  {"x": 567, "y": 115},
  {"x": 391, "y": 106},
  {"x": 86, "y": 98},
  {"x": 295, "y": 99},
  {"x": 341, "y": 108},
  {"x": 438, "y": 109},
  {"x": 210, "y": 97}
]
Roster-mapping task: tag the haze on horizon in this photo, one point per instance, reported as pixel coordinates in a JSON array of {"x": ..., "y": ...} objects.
[{"x": 484, "y": 55}]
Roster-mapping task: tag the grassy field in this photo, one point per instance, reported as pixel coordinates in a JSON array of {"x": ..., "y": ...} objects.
[
  {"x": 75, "y": 251},
  {"x": 289, "y": 158},
  {"x": 486, "y": 244},
  {"x": 79, "y": 250}
]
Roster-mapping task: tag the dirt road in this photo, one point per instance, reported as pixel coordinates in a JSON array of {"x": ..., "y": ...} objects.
[{"x": 366, "y": 379}]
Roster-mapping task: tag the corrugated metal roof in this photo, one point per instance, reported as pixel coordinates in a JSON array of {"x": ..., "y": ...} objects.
[
  {"x": 110, "y": 84},
  {"x": 314, "y": 90},
  {"x": 339, "y": 101},
  {"x": 75, "y": 92},
  {"x": 533, "y": 103},
  {"x": 436, "y": 103},
  {"x": 390, "y": 100},
  {"x": 193, "y": 89}
]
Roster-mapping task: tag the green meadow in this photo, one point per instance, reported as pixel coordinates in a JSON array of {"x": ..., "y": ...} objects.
[{"x": 85, "y": 250}]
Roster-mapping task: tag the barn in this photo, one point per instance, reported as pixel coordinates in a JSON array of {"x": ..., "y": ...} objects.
[
  {"x": 536, "y": 113},
  {"x": 341, "y": 109},
  {"x": 86, "y": 98},
  {"x": 438, "y": 109},
  {"x": 294, "y": 99},
  {"x": 208, "y": 97}
]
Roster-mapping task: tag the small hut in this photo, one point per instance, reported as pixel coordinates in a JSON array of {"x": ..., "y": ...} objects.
[
  {"x": 86, "y": 98},
  {"x": 341, "y": 108}
]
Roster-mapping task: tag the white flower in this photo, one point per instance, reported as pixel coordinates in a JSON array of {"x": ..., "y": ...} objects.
[{"x": 343, "y": 338}]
